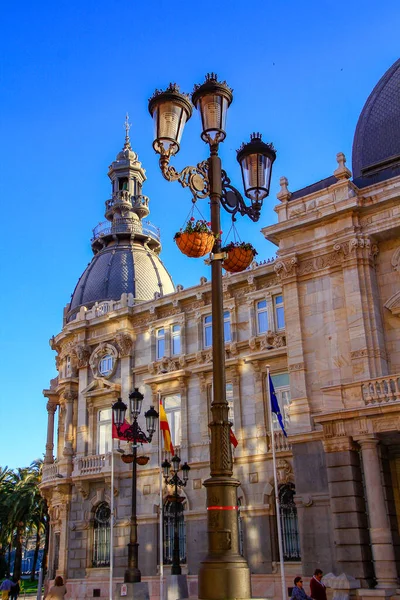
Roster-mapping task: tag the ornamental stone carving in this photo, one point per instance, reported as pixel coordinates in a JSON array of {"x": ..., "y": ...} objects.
[
  {"x": 296, "y": 367},
  {"x": 82, "y": 353},
  {"x": 395, "y": 261},
  {"x": 284, "y": 471},
  {"x": 124, "y": 343},
  {"x": 286, "y": 268},
  {"x": 104, "y": 349},
  {"x": 272, "y": 340},
  {"x": 166, "y": 365}
]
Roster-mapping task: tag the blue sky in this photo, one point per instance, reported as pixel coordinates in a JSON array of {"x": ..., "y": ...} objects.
[{"x": 301, "y": 72}]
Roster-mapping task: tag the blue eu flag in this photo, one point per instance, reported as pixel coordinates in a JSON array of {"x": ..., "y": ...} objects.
[{"x": 275, "y": 406}]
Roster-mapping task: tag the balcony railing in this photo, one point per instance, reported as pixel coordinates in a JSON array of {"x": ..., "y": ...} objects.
[
  {"x": 126, "y": 226},
  {"x": 281, "y": 442},
  {"x": 90, "y": 465},
  {"x": 381, "y": 390},
  {"x": 49, "y": 472}
]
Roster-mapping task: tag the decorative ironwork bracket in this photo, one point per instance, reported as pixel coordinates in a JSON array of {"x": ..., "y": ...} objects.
[
  {"x": 134, "y": 434},
  {"x": 195, "y": 178},
  {"x": 233, "y": 201}
]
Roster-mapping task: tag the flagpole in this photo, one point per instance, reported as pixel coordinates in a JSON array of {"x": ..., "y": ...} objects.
[
  {"x": 161, "y": 506},
  {"x": 278, "y": 520},
  {"x": 112, "y": 517}
]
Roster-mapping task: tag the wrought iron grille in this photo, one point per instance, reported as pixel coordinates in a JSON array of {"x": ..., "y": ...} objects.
[
  {"x": 289, "y": 522},
  {"x": 168, "y": 520},
  {"x": 101, "y": 536}
]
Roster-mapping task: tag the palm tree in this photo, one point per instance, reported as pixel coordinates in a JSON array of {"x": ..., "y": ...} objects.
[
  {"x": 25, "y": 511},
  {"x": 5, "y": 526}
]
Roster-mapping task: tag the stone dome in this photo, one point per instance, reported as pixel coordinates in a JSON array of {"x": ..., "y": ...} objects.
[
  {"x": 376, "y": 146},
  {"x": 126, "y": 248},
  {"x": 125, "y": 267}
]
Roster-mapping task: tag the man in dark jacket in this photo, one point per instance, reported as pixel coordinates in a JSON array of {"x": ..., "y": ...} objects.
[{"x": 317, "y": 588}]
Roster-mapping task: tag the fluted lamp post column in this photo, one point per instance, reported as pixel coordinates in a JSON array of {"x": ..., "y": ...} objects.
[
  {"x": 224, "y": 573},
  {"x": 175, "y": 481},
  {"x": 135, "y": 435}
]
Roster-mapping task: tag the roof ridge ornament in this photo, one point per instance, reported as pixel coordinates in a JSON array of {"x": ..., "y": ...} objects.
[
  {"x": 342, "y": 172},
  {"x": 127, "y": 126}
]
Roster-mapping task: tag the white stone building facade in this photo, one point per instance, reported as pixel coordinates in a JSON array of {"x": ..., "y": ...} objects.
[{"x": 324, "y": 315}]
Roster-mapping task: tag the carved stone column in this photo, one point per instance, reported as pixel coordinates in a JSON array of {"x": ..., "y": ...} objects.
[
  {"x": 379, "y": 526},
  {"x": 125, "y": 343},
  {"x": 82, "y": 353},
  {"x": 69, "y": 397},
  {"x": 51, "y": 409}
]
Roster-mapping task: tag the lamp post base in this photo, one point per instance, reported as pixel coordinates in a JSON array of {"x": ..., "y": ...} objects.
[
  {"x": 224, "y": 580},
  {"x": 136, "y": 591}
]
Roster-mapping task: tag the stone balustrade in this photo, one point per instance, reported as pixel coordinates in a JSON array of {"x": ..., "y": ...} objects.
[
  {"x": 49, "y": 472},
  {"x": 91, "y": 465},
  {"x": 281, "y": 442},
  {"x": 381, "y": 390}
]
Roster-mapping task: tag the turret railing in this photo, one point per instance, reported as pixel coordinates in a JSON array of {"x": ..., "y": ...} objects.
[
  {"x": 126, "y": 226},
  {"x": 123, "y": 196}
]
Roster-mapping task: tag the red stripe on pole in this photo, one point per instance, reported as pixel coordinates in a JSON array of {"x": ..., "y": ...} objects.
[{"x": 222, "y": 508}]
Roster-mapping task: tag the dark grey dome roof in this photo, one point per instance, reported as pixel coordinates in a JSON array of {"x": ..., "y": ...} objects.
[
  {"x": 126, "y": 267},
  {"x": 376, "y": 146}
]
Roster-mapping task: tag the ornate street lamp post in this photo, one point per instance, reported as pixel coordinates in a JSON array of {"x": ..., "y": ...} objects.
[
  {"x": 135, "y": 435},
  {"x": 176, "y": 481},
  {"x": 224, "y": 573}
]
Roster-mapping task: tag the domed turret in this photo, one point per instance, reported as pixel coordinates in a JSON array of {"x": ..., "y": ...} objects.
[
  {"x": 376, "y": 146},
  {"x": 126, "y": 248}
]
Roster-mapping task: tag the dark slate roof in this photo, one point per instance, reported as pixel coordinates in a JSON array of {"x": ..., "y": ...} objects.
[
  {"x": 126, "y": 267},
  {"x": 314, "y": 187},
  {"x": 376, "y": 146}
]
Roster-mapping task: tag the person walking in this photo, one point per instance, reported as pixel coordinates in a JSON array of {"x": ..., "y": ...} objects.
[
  {"x": 14, "y": 592},
  {"x": 298, "y": 592},
  {"x": 58, "y": 590},
  {"x": 5, "y": 588},
  {"x": 317, "y": 588}
]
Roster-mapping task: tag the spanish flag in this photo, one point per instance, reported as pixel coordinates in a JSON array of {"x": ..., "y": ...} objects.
[{"x": 168, "y": 447}]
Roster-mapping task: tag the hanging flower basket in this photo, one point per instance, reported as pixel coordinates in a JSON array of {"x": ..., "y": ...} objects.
[
  {"x": 142, "y": 460},
  {"x": 239, "y": 256},
  {"x": 196, "y": 239},
  {"x": 127, "y": 458}
]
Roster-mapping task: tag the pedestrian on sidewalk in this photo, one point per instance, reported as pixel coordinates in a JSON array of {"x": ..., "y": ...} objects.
[
  {"x": 5, "y": 588},
  {"x": 317, "y": 588},
  {"x": 58, "y": 590},
  {"x": 298, "y": 592},
  {"x": 14, "y": 592}
]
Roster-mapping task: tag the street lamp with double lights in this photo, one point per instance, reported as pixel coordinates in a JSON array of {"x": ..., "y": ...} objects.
[
  {"x": 174, "y": 480},
  {"x": 224, "y": 573},
  {"x": 134, "y": 434}
]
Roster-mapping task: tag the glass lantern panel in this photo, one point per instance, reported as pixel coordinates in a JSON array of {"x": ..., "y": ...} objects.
[
  {"x": 169, "y": 120},
  {"x": 213, "y": 110},
  {"x": 256, "y": 170}
]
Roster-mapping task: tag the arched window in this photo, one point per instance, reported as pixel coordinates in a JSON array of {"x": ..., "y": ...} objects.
[
  {"x": 169, "y": 519},
  {"x": 289, "y": 523},
  {"x": 101, "y": 536},
  {"x": 106, "y": 364}
]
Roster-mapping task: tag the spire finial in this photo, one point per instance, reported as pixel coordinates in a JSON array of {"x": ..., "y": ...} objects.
[{"x": 127, "y": 126}]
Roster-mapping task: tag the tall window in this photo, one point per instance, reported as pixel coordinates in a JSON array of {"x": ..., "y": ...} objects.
[
  {"x": 207, "y": 329},
  {"x": 172, "y": 405},
  {"x": 262, "y": 316},
  {"x": 106, "y": 364},
  {"x": 101, "y": 536},
  {"x": 175, "y": 340},
  {"x": 104, "y": 431},
  {"x": 160, "y": 348},
  {"x": 279, "y": 312},
  {"x": 68, "y": 366},
  {"x": 289, "y": 522},
  {"x": 282, "y": 390},
  {"x": 168, "y": 522}
]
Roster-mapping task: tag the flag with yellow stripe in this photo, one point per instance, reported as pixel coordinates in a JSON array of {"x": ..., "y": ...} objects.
[{"x": 164, "y": 426}]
